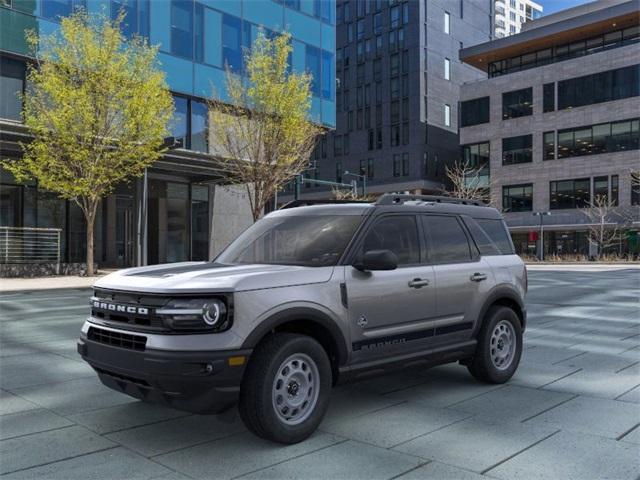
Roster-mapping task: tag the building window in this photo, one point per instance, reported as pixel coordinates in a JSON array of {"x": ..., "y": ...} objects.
[
  {"x": 447, "y": 69},
  {"x": 405, "y": 133},
  {"x": 558, "y": 53},
  {"x": 339, "y": 172},
  {"x": 405, "y": 164},
  {"x": 517, "y": 103},
  {"x": 549, "y": 97},
  {"x": 447, "y": 23},
  {"x": 394, "y": 86},
  {"x": 517, "y": 198},
  {"x": 602, "y": 138},
  {"x": 476, "y": 156},
  {"x": 377, "y": 23},
  {"x": 180, "y": 122},
  {"x": 516, "y": 150},
  {"x": 405, "y": 13},
  {"x": 337, "y": 146},
  {"x": 345, "y": 143},
  {"x": 231, "y": 42},
  {"x": 328, "y": 75},
  {"x": 601, "y": 188},
  {"x": 395, "y": 135},
  {"x": 312, "y": 64},
  {"x": 599, "y": 87},
  {"x": 635, "y": 188},
  {"x": 570, "y": 193},
  {"x": 136, "y": 20},
  {"x": 474, "y": 112},
  {"x": 198, "y": 128},
  {"x": 394, "y": 112},
  {"x": 394, "y": 65},
  {"x": 12, "y": 78},
  {"x": 394, "y": 17},
  {"x": 549, "y": 145},
  {"x": 447, "y": 115},
  {"x": 371, "y": 140},
  {"x": 55, "y": 9},
  {"x": 379, "y": 138},
  {"x": 396, "y": 165},
  {"x": 182, "y": 28}
]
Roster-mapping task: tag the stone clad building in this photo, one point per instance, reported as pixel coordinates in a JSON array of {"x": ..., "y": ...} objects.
[{"x": 556, "y": 121}]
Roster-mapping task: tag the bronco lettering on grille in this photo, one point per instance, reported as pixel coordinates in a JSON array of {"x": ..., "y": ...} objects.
[{"x": 120, "y": 308}]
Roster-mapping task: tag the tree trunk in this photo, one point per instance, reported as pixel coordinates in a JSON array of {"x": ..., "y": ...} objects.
[
  {"x": 90, "y": 224},
  {"x": 90, "y": 206}
]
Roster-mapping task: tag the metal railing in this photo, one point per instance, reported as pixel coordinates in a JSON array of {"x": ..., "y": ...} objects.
[{"x": 30, "y": 245}]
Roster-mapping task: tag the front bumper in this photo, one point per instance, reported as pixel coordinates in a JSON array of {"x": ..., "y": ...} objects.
[{"x": 197, "y": 382}]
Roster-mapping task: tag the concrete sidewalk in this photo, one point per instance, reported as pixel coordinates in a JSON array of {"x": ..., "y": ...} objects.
[{"x": 49, "y": 283}]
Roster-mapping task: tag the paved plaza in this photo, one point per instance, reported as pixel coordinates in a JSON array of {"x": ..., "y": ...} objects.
[{"x": 571, "y": 411}]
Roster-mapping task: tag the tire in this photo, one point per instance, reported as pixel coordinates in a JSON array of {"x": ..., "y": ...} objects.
[
  {"x": 491, "y": 362},
  {"x": 287, "y": 372}
]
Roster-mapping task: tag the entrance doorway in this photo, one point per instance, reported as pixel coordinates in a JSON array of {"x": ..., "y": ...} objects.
[{"x": 125, "y": 231}]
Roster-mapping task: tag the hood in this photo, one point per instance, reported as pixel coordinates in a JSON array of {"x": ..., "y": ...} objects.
[{"x": 195, "y": 277}]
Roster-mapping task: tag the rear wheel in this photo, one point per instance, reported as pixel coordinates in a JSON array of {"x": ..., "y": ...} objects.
[
  {"x": 285, "y": 390},
  {"x": 499, "y": 346}
]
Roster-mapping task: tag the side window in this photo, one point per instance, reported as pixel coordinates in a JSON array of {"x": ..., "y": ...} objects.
[
  {"x": 483, "y": 241},
  {"x": 497, "y": 233},
  {"x": 448, "y": 241},
  {"x": 398, "y": 233}
]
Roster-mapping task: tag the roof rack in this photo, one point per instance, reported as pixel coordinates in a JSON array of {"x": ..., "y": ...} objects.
[
  {"x": 306, "y": 203},
  {"x": 398, "y": 199}
]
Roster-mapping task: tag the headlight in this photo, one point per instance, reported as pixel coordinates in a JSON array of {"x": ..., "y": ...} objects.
[{"x": 198, "y": 314}]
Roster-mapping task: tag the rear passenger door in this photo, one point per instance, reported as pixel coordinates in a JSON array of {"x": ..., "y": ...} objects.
[{"x": 462, "y": 277}]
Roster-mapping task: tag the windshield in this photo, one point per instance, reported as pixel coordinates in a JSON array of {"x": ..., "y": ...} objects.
[{"x": 310, "y": 241}]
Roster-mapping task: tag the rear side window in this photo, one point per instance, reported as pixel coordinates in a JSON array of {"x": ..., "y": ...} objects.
[
  {"x": 497, "y": 232},
  {"x": 398, "y": 233},
  {"x": 485, "y": 244},
  {"x": 448, "y": 242}
]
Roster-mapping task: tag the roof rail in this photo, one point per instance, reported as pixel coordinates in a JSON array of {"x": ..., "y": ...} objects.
[
  {"x": 306, "y": 203},
  {"x": 398, "y": 199}
]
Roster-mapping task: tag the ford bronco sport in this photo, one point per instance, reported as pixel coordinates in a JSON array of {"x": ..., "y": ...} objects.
[{"x": 310, "y": 296}]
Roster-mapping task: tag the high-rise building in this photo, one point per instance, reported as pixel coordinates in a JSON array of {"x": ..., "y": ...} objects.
[
  {"x": 398, "y": 80},
  {"x": 169, "y": 215},
  {"x": 555, "y": 124},
  {"x": 510, "y": 15}
]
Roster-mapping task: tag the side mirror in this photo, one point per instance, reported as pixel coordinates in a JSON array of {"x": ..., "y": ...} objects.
[{"x": 377, "y": 260}]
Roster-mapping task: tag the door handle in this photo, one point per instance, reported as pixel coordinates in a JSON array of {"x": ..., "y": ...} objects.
[
  {"x": 418, "y": 283},
  {"x": 478, "y": 277}
]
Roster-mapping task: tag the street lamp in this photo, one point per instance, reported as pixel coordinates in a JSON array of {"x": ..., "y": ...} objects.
[
  {"x": 363, "y": 178},
  {"x": 541, "y": 215}
]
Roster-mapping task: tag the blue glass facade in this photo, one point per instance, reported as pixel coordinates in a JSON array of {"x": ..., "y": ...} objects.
[{"x": 198, "y": 38}]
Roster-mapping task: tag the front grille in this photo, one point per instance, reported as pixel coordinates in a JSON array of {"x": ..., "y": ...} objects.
[
  {"x": 117, "y": 339},
  {"x": 128, "y": 314}
]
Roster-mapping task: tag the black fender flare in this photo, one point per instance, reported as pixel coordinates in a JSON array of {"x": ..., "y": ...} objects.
[
  {"x": 300, "y": 313},
  {"x": 502, "y": 292}
]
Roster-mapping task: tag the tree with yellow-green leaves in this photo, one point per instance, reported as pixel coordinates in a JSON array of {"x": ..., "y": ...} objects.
[
  {"x": 262, "y": 132},
  {"x": 98, "y": 108}
]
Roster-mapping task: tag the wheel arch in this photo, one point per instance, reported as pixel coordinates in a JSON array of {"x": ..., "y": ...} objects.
[
  {"x": 306, "y": 321},
  {"x": 504, "y": 296}
]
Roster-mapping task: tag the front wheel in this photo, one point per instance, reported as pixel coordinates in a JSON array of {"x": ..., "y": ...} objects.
[
  {"x": 499, "y": 346},
  {"x": 286, "y": 388}
]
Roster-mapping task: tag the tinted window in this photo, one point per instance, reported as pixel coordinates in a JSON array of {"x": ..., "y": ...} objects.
[
  {"x": 398, "y": 234},
  {"x": 182, "y": 28},
  {"x": 498, "y": 234},
  {"x": 516, "y": 149},
  {"x": 474, "y": 112},
  {"x": 517, "y": 103},
  {"x": 448, "y": 241},
  {"x": 484, "y": 243}
]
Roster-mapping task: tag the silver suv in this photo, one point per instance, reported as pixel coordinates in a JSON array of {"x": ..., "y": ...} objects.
[{"x": 309, "y": 296}]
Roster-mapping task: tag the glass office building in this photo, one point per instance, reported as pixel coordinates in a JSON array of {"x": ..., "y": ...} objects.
[{"x": 166, "y": 216}]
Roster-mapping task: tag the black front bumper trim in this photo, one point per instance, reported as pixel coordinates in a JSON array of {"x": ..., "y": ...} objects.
[{"x": 197, "y": 382}]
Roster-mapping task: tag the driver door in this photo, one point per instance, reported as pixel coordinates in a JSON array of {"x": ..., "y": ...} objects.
[{"x": 390, "y": 310}]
